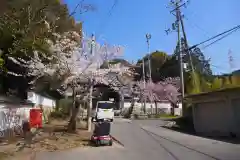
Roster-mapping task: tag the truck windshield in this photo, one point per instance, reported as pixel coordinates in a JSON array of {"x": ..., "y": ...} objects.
[{"x": 105, "y": 105}]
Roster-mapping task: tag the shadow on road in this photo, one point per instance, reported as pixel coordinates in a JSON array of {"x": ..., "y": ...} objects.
[
  {"x": 185, "y": 126},
  {"x": 89, "y": 143}
]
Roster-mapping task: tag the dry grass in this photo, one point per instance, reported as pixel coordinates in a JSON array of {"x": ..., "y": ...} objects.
[
  {"x": 3, "y": 155},
  {"x": 52, "y": 137}
]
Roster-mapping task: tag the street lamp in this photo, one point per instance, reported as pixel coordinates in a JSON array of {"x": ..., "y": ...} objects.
[
  {"x": 144, "y": 85},
  {"x": 148, "y": 37}
]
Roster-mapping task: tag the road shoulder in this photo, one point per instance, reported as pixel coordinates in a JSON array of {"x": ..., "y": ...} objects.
[{"x": 218, "y": 149}]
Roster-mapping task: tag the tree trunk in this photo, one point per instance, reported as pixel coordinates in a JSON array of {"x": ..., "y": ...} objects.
[
  {"x": 122, "y": 101},
  {"x": 72, "y": 126},
  {"x": 131, "y": 107},
  {"x": 70, "y": 109},
  {"x": 57, "y": 105},
  {"x": 151, "y": 109},
  {"x": 156, "y": 108},
  {"x": 89, "y": 111},
  {"x": 73, "y": 112},
  {"x": 172, "y": 108}
]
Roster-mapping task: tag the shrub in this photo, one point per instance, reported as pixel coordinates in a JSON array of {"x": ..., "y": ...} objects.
[
  {"x": 58, "y": 115},
  {"x": 126, "y": 112},
  {"x": 136, "y": 116}
]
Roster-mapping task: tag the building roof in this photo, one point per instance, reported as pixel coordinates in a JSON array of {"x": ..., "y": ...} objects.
[{"x": 14, "y": 100}]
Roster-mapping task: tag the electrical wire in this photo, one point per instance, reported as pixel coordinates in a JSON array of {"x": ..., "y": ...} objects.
[
  {"x": 218, "y": 67},
  {"x": 216, "y": 42},
  {"x": 221, "y": 37},
  {"x": 112, "y": 8},
  {"x": 221, "y": 70},
  {"x": 215, "y": 66},
  {"x": 103, "y": 25},
  {"x": 214, "y": 37},
  {"x": 197, "y": 26},
  {"x": 225, "y": 34},
  {"x": 76, "y": 7}
]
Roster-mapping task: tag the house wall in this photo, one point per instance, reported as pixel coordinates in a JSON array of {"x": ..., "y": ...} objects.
[
  {"x": 13, "y": 115},
  {"x": 47, "y": 104},
  {"x": 41, "y": 100},
  {"x": 150, "y": 107},
  {"x": 218, "y": 114},
  {"x": 235, "y": 104}
]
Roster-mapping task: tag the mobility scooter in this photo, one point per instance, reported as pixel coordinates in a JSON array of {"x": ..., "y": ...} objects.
[
  {"x": 102, "y": 119},
  {"x": 101, "y": 134}
]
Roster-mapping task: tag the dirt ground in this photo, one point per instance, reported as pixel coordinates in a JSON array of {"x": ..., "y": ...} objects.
[{"x": 51, "y": 137}]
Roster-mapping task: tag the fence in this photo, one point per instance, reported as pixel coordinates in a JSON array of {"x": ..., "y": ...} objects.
[
  {"x": 11, "y": 121},
  {"x": 162, "y": 108}
]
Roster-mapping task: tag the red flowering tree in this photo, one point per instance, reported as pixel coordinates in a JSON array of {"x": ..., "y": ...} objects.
[{"x": 167, "y": 90}]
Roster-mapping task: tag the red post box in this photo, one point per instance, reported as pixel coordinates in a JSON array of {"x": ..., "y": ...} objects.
[{"x": 35, "y": 118}]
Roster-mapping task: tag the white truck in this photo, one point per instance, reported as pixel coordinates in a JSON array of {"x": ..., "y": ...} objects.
[{"x": 104, "y": 111}]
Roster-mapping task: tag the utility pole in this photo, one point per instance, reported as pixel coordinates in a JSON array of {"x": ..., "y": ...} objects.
[
  {"x": 91, "y": 90},
  {"x": 176, "y": 27},
  {"x": 182, "y": 50},
  {"x": 186, "y": 49},
  {"x": 148, "y": 37},
  {"x": 144, "y": 85},
  {"x": 178, "y": 14}
]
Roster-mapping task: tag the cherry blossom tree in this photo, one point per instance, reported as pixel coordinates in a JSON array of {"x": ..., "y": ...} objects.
[
  {"x": 83, "y": 67},
  {"x": 167, "y": 90},
  {"x": 72, "y": 66},
  {"x": 73, "y": 63}
]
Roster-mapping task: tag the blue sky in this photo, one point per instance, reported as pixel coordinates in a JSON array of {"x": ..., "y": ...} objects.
[{"x": 132, "y": 19}]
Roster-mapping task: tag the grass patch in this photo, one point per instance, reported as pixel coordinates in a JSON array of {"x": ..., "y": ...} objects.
[
  {"x": 168, "y": 116},
  {"x": 165, "y": 116},
  {"x": 183, "y": 124}
]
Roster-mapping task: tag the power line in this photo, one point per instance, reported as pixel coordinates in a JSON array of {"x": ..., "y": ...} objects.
[
  {"x": 194, "y": 24},
  {"x": 225, "y": 32},
  {"x": 197, "y": 26},
  {"x": 112, "y": 8},
  {"x": 103, "y": 25},
  {"x": 218, "y": 67},
  {"x": 76, "y": 7},
  {"x": 221, "y": 70},
  {"x": 222, "y": 37}
]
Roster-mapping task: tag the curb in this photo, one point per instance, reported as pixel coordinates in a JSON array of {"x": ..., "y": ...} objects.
[{"x": 116, "y": 140}]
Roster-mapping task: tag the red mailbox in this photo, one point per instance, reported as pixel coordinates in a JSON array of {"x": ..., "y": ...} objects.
[{"x": 35, "y": 118}]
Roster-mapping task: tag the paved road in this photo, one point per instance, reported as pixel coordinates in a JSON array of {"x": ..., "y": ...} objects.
[
  {"x": 184, "y": 146},
  {"x": 146, "y": 140}
]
